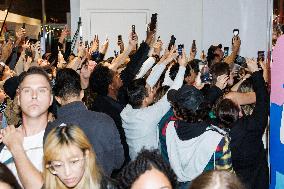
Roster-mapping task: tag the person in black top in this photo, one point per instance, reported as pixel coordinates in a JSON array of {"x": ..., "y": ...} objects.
[
  {"x": 99, "y": 127},
  {"x": 248, "y": 154}
]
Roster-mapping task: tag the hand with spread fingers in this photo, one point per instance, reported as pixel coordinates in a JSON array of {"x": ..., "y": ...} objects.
[{"x": 12, "y": 137}]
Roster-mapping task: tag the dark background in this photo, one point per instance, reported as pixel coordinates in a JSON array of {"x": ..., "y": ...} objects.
[{"x": 55, "y": 9}]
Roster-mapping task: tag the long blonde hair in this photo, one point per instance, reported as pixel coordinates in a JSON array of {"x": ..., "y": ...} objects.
[{"x": 64, "y": 136}]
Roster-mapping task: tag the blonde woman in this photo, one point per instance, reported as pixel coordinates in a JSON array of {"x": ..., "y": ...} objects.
[{"x": 69, "y": 160}]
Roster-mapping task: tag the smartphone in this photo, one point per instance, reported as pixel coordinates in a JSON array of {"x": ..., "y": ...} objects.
[
  {"x": 180, "y": 47},
  {"x": 236, "y": 32},
  {"x": 119, "y": 37},
  {"x": 193, "y": 46},
  {"x": 86, "y": 44},
  {"x": 133, "y": 28},
  {"x": 205, "y": 75},
  {"x": 115, "y": 53},
  {"x": 24, "y": 26},
  {"x": 153, "y": 23},
  {"x": 260, "y": 56},
  {"x": 172, "y": 42},
  {"x": 204, "y": 70},
  {"x": 226, "y": 51}
]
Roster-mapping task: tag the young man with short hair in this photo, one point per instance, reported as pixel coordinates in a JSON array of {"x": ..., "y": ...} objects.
[{"x": 22, "y": 148}]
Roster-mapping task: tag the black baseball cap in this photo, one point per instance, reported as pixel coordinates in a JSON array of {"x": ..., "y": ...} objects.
[{"x": 188, "y": 97}]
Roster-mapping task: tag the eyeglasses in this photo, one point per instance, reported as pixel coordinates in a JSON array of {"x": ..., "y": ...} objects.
[
  {"x": 28, "y": 91},
  {"x": 57, "y": 167}
]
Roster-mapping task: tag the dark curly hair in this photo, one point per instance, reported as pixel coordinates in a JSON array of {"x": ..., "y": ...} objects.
[
  {"x": 218, "y": 69},
  {"x": 227, "y": 112},
  {"x": 190, "y": 116},
  {"x": 136, "y": 92},
  {"x": 174, "y": 70},
  {"x": 146, "y": 160},
  {"x": 100, "y": 79},
  {"x": 67, "y": 83}
]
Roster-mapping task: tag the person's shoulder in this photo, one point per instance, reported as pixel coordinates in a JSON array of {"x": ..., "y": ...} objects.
[
  {"x": 50, "y": 126},
  {"x": 99, "y": 115}
]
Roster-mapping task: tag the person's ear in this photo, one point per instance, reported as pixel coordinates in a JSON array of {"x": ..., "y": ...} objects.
[
  {"x": 51, "y": 100},
  {"x": 58, "y": 99},
  {"x": 81, "y": 94}
]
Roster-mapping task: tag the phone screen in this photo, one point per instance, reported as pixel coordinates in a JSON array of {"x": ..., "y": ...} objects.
[
  {"x": 236, "y": 32},
  {"x": 260, "y": 55},
  {"x": 180, "y": 47},
  {"x": 226, "y": 51}
]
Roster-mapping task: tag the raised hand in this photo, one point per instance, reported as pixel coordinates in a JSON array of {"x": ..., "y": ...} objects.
[
  {"x": 12, "y": 137},
  {"x": 252, "y": 65},
  {"x": 222, "y": 81},
  {"x": 158, "y": 47},
  {"x": 236, "y": 43},
  {"x": 65, "y": 33},
  {"x": 95, "y": 45},
  {"x": 105, "y": 46},
  {"x": 173, "y": 54},
  {"x": 21, "y": 34},
  {"x": 133, "y": 40},
  {"x": 151, "y": 35}
]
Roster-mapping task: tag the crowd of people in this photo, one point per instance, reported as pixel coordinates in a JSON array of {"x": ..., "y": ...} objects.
[{"x": 151, "y": 116}]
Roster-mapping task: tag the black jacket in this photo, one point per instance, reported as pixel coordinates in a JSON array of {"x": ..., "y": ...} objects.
[
  {"x": 112, "y": 108},
  {"x": 248, "y": 154},
  {"x": 129, "y": 73}
]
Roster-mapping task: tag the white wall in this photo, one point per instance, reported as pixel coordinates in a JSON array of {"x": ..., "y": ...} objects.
[
  {"x": 251, "y": 17},
  {"x": 207, "y": 21}
]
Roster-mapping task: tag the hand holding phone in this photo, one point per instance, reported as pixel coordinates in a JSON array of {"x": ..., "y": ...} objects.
[
  {"x": 193, "y": 46},
  {"x": 153, "y": 23},
  {"x": 133, "y": 31},
  {"x": 172, "y": 42},
  {"x": 180, "y": 48}
]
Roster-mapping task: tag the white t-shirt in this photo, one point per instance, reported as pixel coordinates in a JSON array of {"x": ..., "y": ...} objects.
[{"x": 33, "y": 146}]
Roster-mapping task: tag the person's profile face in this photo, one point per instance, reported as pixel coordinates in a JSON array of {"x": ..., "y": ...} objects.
[
  {"x": 70, "y": 167},
  {"x": 219, "y": 52},
  {"x": 153, "y": 179},
  {"x": 86, "y": 71}
]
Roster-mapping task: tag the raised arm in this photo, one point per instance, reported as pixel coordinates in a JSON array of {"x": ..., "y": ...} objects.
[
  {"x": 136, "y": 61},
  {"x": 261, "y": 109},
  {"x": 30, "y": 177},
  {"x": 160, "y": 66},
  {"x": 235, "y": 50},
  {"x": 133, "y": 40}
]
